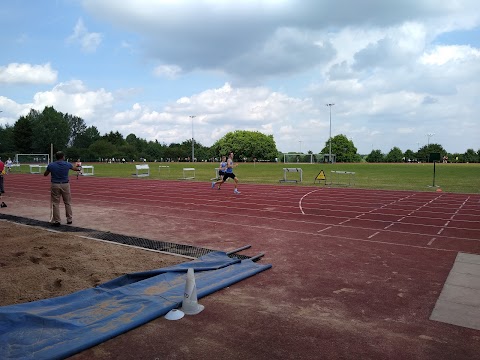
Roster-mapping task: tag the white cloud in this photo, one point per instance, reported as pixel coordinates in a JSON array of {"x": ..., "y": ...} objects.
[
  {"x": 167, "y": 71},
  {"x": 404, "y": 131},
  {"x": 395, "y": 70},
  {"x": 74, "y": 98},
  {"x": 16, "y": 73},
  {"x": 88, "y": 41},
  {"x": 440, "y": 55}
]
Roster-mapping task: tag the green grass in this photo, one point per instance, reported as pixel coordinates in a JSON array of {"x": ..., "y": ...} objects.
[{"x": 460, "y": 178}]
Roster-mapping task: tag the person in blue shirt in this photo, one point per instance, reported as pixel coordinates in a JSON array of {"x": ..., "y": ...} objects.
[
  {"x": 228, "y": 174},
  {"x": 60, "y": 187}
]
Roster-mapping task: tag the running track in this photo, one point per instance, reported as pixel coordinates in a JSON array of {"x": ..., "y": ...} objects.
[{"x": 356, "y": 273}]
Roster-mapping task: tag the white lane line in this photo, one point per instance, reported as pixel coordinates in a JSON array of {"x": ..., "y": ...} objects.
[
  {"x": 371, "y": 236},
  {"x": 401, "y": 219},
  {"x": 386, "y": 227},
  {"x": 343, "y": 222},
  {"x": 300, "y": 202},
  {"x": 451, "y": 219},
  {"x": 319, "y": 231},
  {"x": 431, "y": 241}
]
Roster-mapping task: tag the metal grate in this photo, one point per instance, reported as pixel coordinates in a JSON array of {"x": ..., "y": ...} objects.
[{"x": 164, "y": 246}]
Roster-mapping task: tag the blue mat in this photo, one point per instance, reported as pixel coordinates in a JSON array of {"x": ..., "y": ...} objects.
[{"x": 60, "y": 327}]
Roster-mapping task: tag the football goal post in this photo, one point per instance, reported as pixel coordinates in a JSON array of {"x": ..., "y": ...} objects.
[
  {"x": 32, "y": 158},
  {"x": 301, "y": 158}
]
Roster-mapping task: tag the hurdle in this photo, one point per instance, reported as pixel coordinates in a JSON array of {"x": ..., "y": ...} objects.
[
  {"x": 188, "y": 171},
  {"x": 37, "y": 169},
  {"x": 291, "y": 170},
  {"x": 142, "y": 170},
  {"x": 163, "y": 169},
  {"x": 348, "y": 178},
  {"x": 89, "y": 170},
  {"x": 217, "y": 175}
]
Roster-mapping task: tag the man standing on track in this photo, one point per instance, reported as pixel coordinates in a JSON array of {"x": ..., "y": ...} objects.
[
  {"x": 60, "y": 187},
  {"x": 228, "y": 174}
]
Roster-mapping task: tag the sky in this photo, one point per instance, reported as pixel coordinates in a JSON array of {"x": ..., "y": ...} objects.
[{"x": 399, "y": 73}]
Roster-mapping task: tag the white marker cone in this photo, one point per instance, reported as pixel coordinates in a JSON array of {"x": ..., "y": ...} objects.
[
  {"x": 174, "y": 314},
  {"x": 190, "y": 305}
]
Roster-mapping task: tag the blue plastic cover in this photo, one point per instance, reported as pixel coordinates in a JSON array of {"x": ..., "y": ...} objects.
[{"x": 60, "y": 327}]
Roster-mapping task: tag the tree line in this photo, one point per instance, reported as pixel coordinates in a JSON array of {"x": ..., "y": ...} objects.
[
  {"x": 423, "y": 154},
  {"x": 345, "y": 151},
  {"x": 38, "y": 131}
]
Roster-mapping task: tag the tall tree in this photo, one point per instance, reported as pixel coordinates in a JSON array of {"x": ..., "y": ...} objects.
[
  {"x": 425, "y": 151},
  {"x": 470, "y": 156},
  {"x": 247, "y": 144},
  {"x": 23, "y": 132},
  {"x": 102, "y": 149},
  {"x": 375, "y": 156},
  {"x": 343, "y": 148},
  {"x": 409, "y": 155},
  {"x": 87, "y": 138},
  {"x": 114, "y": 138},
  {"x": 50, "y": 128},
  {"x": 7, "y": 143},
  {"x": 77, "y": 127},
  {"x": 395, "y": 155}
]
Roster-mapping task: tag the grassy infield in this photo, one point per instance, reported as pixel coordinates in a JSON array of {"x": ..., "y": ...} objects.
[
  {"x": 457, "y": 178},
  {"x": 460, "y": 178}
]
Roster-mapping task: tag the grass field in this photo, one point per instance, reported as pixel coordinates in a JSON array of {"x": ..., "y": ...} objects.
[{"x": 460, "y": 178}]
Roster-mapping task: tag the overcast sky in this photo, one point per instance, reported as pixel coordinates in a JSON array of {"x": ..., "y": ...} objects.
[{"x": 400, "y": 73}]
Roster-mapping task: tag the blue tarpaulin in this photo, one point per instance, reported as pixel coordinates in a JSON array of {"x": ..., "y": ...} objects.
[{"x": 60, "y": 327}]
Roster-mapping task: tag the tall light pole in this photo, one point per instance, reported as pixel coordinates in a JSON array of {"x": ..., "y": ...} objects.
[
  {"x": 193, "y": 141},
  {"x": 330, "y": 151},
  {"x": 429, "y": 135}
]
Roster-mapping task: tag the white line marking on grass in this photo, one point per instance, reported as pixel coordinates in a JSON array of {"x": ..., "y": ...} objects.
[
  {"x": 431, "y": 241},
  {"x": 378, "y": 232},
  {"x": 300, "y": 202}
]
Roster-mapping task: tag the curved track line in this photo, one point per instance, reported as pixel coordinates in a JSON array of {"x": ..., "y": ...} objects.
[{"x": 300, "y": 202}]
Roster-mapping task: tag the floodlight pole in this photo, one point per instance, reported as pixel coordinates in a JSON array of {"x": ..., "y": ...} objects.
[
  {"x": 429, "y": 135},
  {"x": 193, "y": 141},
  {"x": 330, "y": 151}
]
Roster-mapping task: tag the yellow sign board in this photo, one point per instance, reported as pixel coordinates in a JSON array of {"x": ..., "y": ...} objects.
[{"x": 321, "y": 176}]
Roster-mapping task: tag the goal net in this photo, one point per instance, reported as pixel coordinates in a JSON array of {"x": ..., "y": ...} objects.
[
  {"x": 302, "y": 158},
  {"x": 32, "y": 158}
]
